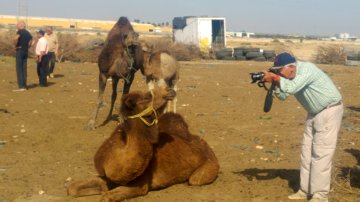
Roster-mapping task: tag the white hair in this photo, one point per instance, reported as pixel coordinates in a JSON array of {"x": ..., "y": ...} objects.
[
  {"x": 21, "y": 24},
  {"x": 290, "y": 64}
]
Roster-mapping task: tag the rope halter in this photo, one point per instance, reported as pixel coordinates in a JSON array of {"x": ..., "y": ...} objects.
[{"x": 148, "y": 111}]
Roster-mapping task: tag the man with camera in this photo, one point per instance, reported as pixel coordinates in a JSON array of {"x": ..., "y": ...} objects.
[{"x": 321, "y": 99}]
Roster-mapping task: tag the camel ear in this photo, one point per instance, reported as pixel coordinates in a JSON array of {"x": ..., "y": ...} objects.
[{"x": 145, "y": 48}]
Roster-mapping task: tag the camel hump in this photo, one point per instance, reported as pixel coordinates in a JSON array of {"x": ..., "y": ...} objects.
[
  {"x": 174, "y": 124},
  {"x": 167, "y": 58},
  {"x": 124, "y": 22}
]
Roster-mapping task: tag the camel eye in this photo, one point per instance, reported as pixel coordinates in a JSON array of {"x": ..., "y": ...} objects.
[{"x": 148, "y": 97}]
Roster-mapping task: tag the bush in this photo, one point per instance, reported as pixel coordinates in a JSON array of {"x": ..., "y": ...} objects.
[
  {"x": 71, "y": 50},
  {"x": 330, "y": 55},
  {"x": 184, "y": 52},
  {"x": 6, "y": 43},
  {"x": 7, "y": 46}
]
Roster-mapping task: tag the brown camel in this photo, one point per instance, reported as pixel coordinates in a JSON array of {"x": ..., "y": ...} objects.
[
  {"x": 141, "y": 155},
  {"x": 116, "y": 60},
  {"x": 161, "y": 69}
]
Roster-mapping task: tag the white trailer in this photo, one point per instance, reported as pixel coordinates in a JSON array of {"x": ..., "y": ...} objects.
[{"x": 200, "y": 31}]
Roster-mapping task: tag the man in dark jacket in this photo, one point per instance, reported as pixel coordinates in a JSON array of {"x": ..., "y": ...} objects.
[{"x": 22, "y": 41}]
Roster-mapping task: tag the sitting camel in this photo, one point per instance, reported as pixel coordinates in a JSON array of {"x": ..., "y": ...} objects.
[
  {"x": 161, "y": 69},
  {"x": 143, "y": 155},
  {"x": 118, "y": 61}
]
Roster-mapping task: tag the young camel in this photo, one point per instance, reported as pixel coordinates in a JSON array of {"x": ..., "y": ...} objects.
[
  {"x": 160, "y": 69},
  {"x": 116, "y": 60},
  {"x": 141, "y": 155}
]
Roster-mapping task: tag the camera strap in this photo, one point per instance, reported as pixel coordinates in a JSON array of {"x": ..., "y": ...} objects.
[{"x": 269, "y": 97}]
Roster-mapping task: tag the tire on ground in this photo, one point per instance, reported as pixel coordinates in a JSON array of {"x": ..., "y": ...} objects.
[
  {"x": 353, "y": 57},
  {"x": 238, "y": 53},
  {"x": 260, "y": 59},
  {"x": 240, "y": 58},
  {"x": 252, "y": 55},
  {"x": 248, "y": 50},
  {"x": 221, "y": 54},
  {"x": 269, "y": 54},
  {"x": 228, "y": 58}
]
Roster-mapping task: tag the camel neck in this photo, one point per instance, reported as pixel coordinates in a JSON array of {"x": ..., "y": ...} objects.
[{"x": 138, "y": 131}]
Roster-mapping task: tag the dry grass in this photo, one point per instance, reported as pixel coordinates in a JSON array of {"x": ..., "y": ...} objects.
[
  {"x": 182, "y": 52},
  {"x": 72, "y": 50},
  {"x": 332, "y": 54},
  {"x": 75, "y": 47},
  {"x": 6, "y": 43}
]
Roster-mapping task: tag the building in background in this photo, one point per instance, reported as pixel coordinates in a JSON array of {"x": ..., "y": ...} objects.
[
  {"x": 78, "y": 24},
  {"x": 240, "y": 34},
  {"x": 205, "y": 32}
]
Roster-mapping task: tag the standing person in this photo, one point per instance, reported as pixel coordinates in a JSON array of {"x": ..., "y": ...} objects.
[
  {"x": 22, "y": 41},
  {"x": 53, "y": 49},
  {"x": 321, "y": 99},
  {"x": 41, "y": 51}
]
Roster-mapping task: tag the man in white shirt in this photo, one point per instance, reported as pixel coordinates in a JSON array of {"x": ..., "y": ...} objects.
[{"x": 41, "y": 51}]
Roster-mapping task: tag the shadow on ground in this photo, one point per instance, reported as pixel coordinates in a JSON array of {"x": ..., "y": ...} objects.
[
  {"x": 291, "y": 175},
  {"x": 352, "y": 173}
]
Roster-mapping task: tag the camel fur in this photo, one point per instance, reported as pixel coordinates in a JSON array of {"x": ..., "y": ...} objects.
[
  {"x": 161, "y": 69},
  {"x": 116, "y": 60},
  {"x": 138, "y": 158}
]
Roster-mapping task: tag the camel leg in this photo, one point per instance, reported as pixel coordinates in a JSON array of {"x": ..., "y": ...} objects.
[
  {"x": 115, "y": 81},
  {"x": 139, "y": 187},
  {"x": 127, "y": 85},
  {"x": 208, "y": 171},
  {"x": 174, "y": 100},
  {"x": 150, "y": 84},
  {"x": 171, "y": 84},
  {"x": 102, "y": 84},
  {"x": 87, "y": 187},
  {"x": 162, "y": 83},
  {"x": 205, "y": 174}
]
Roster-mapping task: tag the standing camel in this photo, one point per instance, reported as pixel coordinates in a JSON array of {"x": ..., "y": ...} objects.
[
  {"x": 147, "y": 153},
  {"x": 116, "y": 60},
  {"x": 161, "y": 69}
]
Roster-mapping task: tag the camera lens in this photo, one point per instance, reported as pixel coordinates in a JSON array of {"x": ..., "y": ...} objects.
[{"x": 257, "y": 76}]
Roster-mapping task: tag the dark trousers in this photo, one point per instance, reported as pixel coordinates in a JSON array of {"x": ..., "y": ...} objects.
[
  {"x": 52, "y": 60},
  {"x": 42, "y": 70},
  {"x": 21, "y": 67}
]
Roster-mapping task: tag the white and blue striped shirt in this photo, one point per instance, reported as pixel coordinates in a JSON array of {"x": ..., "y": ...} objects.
[{"x": 311, "y": 87}]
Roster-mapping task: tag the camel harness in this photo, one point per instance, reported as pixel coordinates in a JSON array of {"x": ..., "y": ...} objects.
[
  {"x": 130, "y": 60},
  {"x": 148, "y": 111}
]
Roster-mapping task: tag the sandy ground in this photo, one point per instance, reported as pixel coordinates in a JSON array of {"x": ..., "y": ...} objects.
[{"x": 44, "y": 147}]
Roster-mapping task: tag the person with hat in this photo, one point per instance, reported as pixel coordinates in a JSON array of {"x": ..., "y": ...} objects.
[
  {"x": 53, "y": 43},
  {"x": 22, "y": 41},
  {"x": 42, "y": 58},
  {"x": 315, "y": 91}
]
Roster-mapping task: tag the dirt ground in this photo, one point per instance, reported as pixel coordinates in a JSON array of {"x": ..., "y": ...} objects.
[{"x": 43, "y": 146}]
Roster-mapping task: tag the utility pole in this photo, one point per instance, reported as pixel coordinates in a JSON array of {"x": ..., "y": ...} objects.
[{"x": 23, "y": 11}]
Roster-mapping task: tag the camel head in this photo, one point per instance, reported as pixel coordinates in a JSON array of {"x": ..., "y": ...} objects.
[
  {"x": 147, "y": 47},
  {"x": 146, "y": 104},
  {"x": 144, "y": 108},
  {"x": 131, "y": 38}
]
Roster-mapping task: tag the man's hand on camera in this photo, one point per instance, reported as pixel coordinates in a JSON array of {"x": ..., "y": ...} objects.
[{"x": 268, "y": 76}]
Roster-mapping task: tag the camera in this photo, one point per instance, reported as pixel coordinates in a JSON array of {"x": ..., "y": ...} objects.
[{"x": 255, "y": 77}]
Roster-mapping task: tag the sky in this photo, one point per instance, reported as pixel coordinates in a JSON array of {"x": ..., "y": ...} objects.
[{"x": 304, "y": 17}]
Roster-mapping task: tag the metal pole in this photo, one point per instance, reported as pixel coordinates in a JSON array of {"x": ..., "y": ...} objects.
[{"x": 23, "y": 11}]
